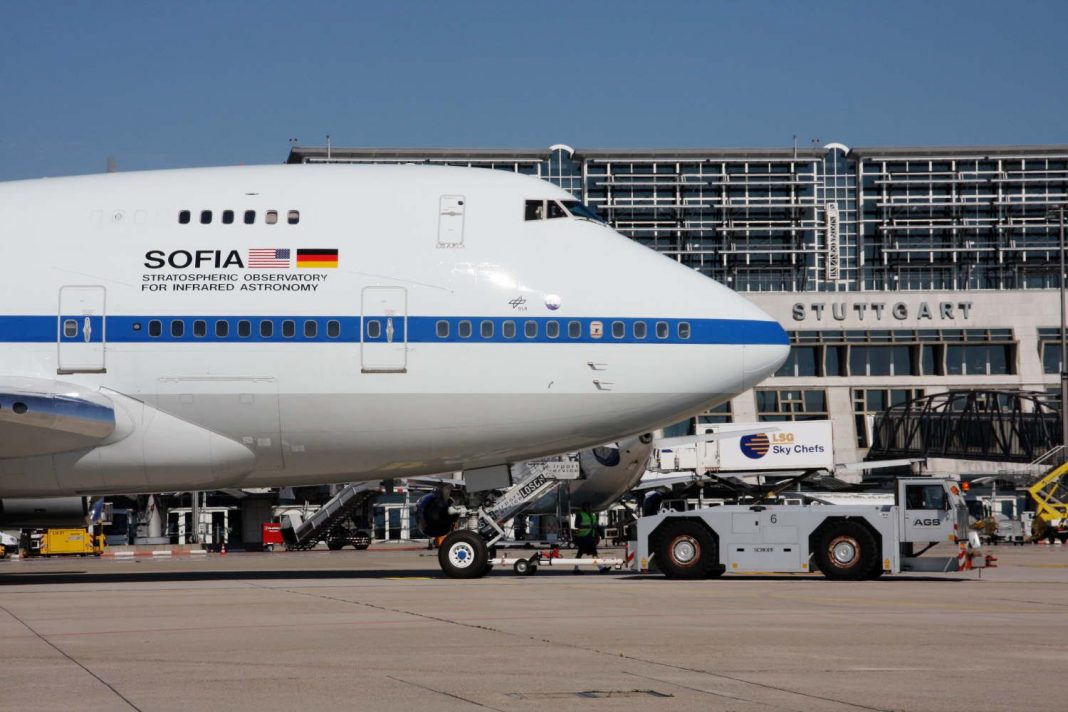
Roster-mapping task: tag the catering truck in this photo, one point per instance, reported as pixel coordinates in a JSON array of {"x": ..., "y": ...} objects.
[{"x": 842, "y": 541}]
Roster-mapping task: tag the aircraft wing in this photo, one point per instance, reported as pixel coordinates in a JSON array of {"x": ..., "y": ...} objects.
[{"x": 41, "y": 416}]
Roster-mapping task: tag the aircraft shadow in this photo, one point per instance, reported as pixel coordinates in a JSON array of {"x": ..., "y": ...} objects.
[{"x": 75, "y": 577}]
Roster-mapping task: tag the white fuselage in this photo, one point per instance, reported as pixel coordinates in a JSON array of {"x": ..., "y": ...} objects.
[{"x": 359, "y": 368}]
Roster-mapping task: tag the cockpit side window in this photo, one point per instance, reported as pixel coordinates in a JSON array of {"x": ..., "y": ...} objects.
[
  {"x": 580, "y": 210},
  {"x": 556, "y": 210},
  {"x": 535, "y": 210}
]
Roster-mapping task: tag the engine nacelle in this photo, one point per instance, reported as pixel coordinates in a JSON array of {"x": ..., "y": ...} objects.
[
  {"x": 43, "y": 512},
  {"x": 432, "y": 513}
]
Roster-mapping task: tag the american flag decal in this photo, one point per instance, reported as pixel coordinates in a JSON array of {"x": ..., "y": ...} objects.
[{"x": 268, "y": 258}]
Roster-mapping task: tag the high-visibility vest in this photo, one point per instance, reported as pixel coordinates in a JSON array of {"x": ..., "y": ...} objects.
[{"x": 586, "y": 524}]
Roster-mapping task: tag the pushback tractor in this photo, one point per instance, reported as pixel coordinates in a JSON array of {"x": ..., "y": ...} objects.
[{"x": 849, "y": 542}]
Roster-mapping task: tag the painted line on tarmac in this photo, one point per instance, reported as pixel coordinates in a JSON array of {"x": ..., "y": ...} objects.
[{"x": 445, "y": 694}]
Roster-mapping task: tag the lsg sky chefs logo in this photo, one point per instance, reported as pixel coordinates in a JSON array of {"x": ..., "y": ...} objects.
[{"x": 755, "y": 446}]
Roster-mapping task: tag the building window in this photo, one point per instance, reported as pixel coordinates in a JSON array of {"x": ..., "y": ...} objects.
[
  {"x": 775, "y": 405},
  {"x": 869, "y": 402},
  {"x": 800, "y": 363},
  {"x": 715, "y": 415}
]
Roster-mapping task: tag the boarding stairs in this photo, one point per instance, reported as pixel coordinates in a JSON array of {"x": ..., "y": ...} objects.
[
  {"x": 349, "y": 500},
  {"x": 533, "y": 479}
]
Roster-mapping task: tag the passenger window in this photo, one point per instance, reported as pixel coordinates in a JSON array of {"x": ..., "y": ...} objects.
[
  {"x": 556, "y": 210},
  {"x": 374, "y": 329},
  {"x": 508, "y": 329},
  {"x": 244, "y": 328},
  {"x": 250, "y": 217},
  {"x": 311, "y": 329},
  {"x": 205, "y": 217},
  {"x": 271, "y": 217},
  {"x": 228, "y": 217},
  {"x": 289, "y": 328},
  {"x": 485, "y": 330},
  {"x": 684, "y": 329},
  {"x": 530, "y": 329},
  {"x": 639, "y": 330},
  {"x": 177, "y": 328},
  {"x": 155, "y": 328},
  {"x": 619, "y": 330},
  {"x": 333, "y": 328},
  {"x": 222, "y": 329},
  {"x": 552, "y": 329},
  {"x": 442, "y": 329},
  {"x": 293, "y": 217},
  {"x": 70, "y": 328},
  {"x": 574, "y": 330},
  {"x": 596, "y": 329},
  {"x": 463, "y": 329},
  {"x": 535, "y": 210},
  {"x": 200, "y": 328},
  {"x": 661, "y": 330},
  {"x": 266, "y": 329},
  {"x": 183, "y": 217}
]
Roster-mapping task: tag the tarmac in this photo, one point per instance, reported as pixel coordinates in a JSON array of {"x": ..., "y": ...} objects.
[{"x": 383, "y": 630}]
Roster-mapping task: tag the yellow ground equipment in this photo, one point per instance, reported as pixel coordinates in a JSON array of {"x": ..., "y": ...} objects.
[
  {"x": 69, "y": 542},
  {"x": 1051, "y": 504}
]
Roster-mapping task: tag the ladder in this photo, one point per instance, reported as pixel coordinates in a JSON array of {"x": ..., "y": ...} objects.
[
  {"x": 331, "y": 515},
  {"x": 536, "y": 478}
]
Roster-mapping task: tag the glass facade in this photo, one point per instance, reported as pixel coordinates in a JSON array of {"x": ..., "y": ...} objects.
[{"x": 814, "y": 220}]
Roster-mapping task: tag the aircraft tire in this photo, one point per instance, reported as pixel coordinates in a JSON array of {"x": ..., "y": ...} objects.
[
  {"x": 464, "y": 555},
  {"x": 686, "y": 550},
  {"x": 846, "y": 551}
]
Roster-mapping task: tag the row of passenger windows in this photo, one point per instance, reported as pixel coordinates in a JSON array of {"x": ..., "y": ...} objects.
[
  {"x": 244, "y": 328},
  {"x": 618, "y": 329},
  {"x": 227, "y": 216}
]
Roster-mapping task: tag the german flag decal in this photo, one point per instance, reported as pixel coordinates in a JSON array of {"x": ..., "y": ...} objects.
[{"x": 316, "y": 259}]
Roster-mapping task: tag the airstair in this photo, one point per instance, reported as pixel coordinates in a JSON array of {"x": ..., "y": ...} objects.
[{"x": 328, "y": 523}]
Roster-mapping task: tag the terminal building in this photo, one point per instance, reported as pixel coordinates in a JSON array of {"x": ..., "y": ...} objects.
[{"x": 899, "y": 272}]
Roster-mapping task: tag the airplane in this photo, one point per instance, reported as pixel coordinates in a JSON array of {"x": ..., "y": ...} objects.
[{"x": 265, "y": 326}]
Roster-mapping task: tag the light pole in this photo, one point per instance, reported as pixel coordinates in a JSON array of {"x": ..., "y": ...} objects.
[{"x": 1059, "y": 210}]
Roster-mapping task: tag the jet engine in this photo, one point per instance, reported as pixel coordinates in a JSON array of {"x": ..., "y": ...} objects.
[
  {"x": 43, "y": 512},
  {"x": 433, "y": 515}
]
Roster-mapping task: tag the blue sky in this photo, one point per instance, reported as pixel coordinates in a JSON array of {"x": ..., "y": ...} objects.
[{"x": 161, "y": 85}]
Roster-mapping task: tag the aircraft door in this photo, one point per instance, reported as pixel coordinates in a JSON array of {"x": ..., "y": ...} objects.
[
  {"x": 384, "y": 330},
  {"x": 451, "y": 221},
  {"x": 81, "y": 338},
  {"x": 927, "y": 513}
]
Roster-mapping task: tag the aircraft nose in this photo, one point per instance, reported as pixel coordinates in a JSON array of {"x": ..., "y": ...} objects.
[{"x": 765, "y": 350}]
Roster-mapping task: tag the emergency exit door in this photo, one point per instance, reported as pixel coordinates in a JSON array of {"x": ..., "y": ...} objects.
[
  {"x": 81, "y": 338},
  {"x": 384, "y": 330}
]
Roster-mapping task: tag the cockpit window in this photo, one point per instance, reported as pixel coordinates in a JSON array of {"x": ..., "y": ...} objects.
[
  {"x": 551, "y": 209},
  {"x": 579, "y": 210}
]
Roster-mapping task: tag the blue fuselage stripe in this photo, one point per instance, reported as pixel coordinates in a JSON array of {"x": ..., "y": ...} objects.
[{"x": 420, "y": 329}]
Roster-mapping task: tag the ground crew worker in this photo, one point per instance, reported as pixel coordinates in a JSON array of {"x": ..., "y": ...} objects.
[{"x": 585, "y": 533}]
